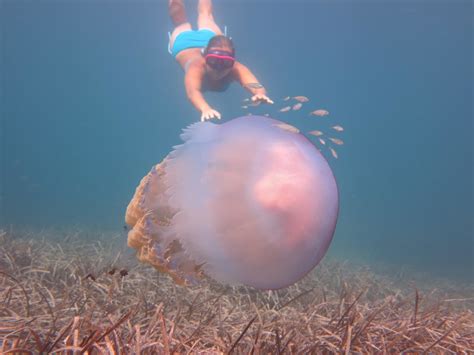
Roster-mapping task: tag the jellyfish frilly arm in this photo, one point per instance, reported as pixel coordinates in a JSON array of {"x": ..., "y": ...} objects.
[
  {"x": 143, "y": 200},
  {"x": 149, "y": 216}
]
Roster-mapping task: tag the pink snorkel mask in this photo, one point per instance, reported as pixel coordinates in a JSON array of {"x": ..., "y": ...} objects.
[{"x": 219, "y": 60}]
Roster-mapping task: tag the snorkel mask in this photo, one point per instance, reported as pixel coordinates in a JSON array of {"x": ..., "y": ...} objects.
[{"x": 219, "y": 60}]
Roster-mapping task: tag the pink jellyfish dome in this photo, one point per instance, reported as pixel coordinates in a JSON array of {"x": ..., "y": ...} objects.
[{"x": 245, "y": 202}]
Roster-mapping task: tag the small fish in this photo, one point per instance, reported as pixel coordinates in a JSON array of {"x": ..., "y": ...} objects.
[
  {"x": 322, "y": 141},
  {"x": 89, "y": 276},
  {"x": 246, "y": 100},
  {"x": 287, "y": 127},
  {"x": 266, "y": 114},
  {"x": 316, "y": 133},
  {"x": 244, "y": 107},
  {"x": 285, "y": 109},
  {"x": 255, "y": 103},
  {"x": 286, "y": 98},
  {"x": 319, "y": 113},
  {"x": 333, "y": 152},
  {"x": 337, "y": 141},
  {"x": 297, "y": 106},
  {"x": 338, "y": 128},
  {"x": 301, "y": 98}
]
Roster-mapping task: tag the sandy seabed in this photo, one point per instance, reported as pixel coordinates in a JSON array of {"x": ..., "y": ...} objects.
[{"x": 75, "y": 292}]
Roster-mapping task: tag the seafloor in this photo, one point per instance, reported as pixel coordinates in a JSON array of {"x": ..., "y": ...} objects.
[{"x": 85, "y": 293}]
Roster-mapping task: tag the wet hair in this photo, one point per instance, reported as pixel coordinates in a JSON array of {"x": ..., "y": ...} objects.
[{"x": 220, "y": 41}]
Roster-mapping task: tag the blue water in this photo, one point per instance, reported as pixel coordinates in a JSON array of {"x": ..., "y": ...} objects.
[{"x": 91, "y": 100}]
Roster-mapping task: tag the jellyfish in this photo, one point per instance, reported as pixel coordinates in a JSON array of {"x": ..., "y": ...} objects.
[{"x": 244, "y": 202}]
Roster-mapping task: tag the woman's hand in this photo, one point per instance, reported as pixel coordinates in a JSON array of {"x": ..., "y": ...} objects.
[
  {"x": 209, "y": 113},
  {"x": 261, "y": 98}
]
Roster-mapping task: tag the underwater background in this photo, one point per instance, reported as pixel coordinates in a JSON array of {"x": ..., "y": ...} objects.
[{"x": 91, "y": 100}]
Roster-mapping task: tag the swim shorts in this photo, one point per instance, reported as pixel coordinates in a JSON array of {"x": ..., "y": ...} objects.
[{"x": 191, "y": 39}]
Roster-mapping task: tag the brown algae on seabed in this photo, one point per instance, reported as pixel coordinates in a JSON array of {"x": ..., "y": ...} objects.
[{"x": 66, "y": 294}]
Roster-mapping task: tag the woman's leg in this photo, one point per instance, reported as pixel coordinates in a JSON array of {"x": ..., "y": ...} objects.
[
  {"x": 177, "y": 13},
  {"x": 205, "y": 18}
]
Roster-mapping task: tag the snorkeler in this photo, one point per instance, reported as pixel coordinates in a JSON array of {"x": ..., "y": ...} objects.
[{"x": 208, "y": 58}]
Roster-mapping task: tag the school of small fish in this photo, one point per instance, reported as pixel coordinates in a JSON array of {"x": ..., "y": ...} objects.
[{"x": 300, "y": 100}]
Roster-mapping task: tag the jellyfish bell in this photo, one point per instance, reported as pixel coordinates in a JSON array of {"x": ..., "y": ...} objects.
[{"x": 245, "y": 202}]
